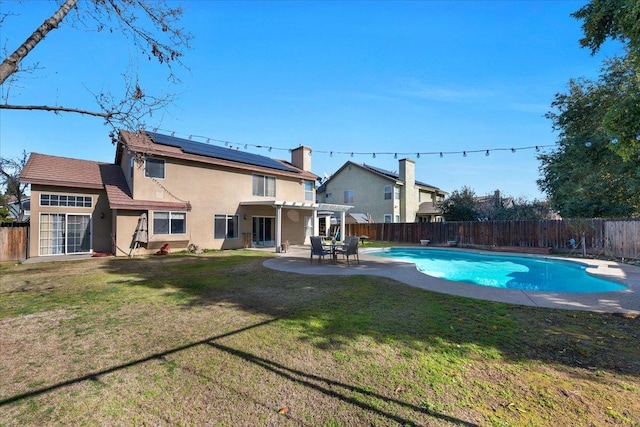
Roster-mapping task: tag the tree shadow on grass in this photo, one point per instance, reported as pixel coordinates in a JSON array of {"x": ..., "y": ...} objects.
[
  {"x": 341, "y": 307},
  {"x": 326, "y": 386}
]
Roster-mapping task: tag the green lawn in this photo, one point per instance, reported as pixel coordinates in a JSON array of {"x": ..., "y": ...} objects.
[{"x": 217, "y": 339}]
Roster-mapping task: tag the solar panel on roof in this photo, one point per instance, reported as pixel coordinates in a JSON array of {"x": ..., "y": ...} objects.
[{"x": 217, "y": 152}]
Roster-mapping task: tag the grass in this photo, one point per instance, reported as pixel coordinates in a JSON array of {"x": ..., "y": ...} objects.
[{"x": 217, "y": 339}]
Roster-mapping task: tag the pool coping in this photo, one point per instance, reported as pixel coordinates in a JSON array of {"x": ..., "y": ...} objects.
[{"x": 297, "y": 260}]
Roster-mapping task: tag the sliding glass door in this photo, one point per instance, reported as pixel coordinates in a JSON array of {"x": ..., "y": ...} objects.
[
  {"x": 264, "y": 231},
  {"x": 64, "y": 234}
]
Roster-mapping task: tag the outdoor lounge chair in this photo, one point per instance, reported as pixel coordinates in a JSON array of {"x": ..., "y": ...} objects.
[
  {"x": 317, "y": 249},
  {"x": 350, "y": 248}
]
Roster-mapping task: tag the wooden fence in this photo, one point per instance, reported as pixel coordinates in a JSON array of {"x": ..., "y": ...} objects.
[
  {"x": 616, "y": 238},
  {"x": 14, "y": 241}
]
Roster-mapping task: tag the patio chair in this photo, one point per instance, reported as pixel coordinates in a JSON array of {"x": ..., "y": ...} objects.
[
  {"x": 317, "y": 249},
  {"x": 350, "y": 248}
]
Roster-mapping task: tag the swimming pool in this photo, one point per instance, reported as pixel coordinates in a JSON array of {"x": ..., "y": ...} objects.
[{"x": 502, "y": 271}]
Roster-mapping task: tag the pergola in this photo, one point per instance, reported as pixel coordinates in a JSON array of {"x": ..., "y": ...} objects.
[{"x": 278, "y": 205}]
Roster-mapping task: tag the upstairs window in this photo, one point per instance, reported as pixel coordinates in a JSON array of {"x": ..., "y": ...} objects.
[
  {"x": 308, "y": 190},
  {"x": 396, "y": 192},
  {"x": 153, "y": 168},
  {"x": 349, "y": 196},
  {"x": 387, "y": 192},
  {"x": 264, "y": 186}
]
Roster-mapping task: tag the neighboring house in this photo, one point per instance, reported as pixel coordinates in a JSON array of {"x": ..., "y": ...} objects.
[
  {"x": 488, "y": 206},
  {"x": 381, "y": 195},
  {"x": 166, "y": 190},
  {"x": 14, "y": 208}
]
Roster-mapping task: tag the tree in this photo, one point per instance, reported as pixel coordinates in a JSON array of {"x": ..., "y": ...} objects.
[
  {"x": 585, "y": 176},
  {"x": 618, "y": 20},
  {"x": 149, "y": 25},
  {"x": 10, "y": 179},
  {"x": 460, "y": 205}
]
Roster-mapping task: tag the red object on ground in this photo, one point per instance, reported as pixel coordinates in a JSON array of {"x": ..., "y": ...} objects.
[{"x": 164, "y": 250}]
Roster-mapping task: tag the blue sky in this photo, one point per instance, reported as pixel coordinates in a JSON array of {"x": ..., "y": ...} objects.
[{"x": 341, "y": 77}]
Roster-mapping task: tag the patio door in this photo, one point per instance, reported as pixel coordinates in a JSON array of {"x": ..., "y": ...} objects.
[
  {"x": 264, "y": 230},
  {"x": 62, "y": 234}
]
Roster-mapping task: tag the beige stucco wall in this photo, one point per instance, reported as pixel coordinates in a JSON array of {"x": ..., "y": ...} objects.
[
  {"x": 368, "y": 192},
  {"x": 212, "y": 190},
  {"x": 100, "y": 227}
]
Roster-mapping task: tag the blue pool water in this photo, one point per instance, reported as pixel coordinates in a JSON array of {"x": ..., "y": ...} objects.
[{"x": 502, "y": 271}]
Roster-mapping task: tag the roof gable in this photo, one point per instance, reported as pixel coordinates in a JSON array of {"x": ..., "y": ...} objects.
[
  {"x": 391, "y": 176},
  {"x": 44, "y": 169}
]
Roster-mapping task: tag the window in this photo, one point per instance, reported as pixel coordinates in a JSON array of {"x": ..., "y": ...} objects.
[
  {"x": 387, "y": 219},
  {"x": 348, "y": 196},
  {"x": 397, "y": 218},
  {"x": 328, "y": 196},
  {"x": 308, "y": 190},
  {"x": 154, "y": 168},
  {"x": 169, "y": 223},
  {"x": 131, "y": 164},
  {"x": 66, "y": 200},
  {"x": 264, "y": 186},
  {"x": 396, "y": 192},
  {"x": 225, "y": 227},
  {"x": 387, "y": 192}
]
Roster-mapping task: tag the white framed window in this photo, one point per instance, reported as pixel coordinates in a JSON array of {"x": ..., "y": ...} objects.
[
  {"x": 397, "y": 218},
  {"x": 167, "y": 222},
  {"x": 66, "y": 200},
  {"x": 387, "y": 219},
  {"x": 225, "y": 227},
  {"x": 264, "y": 185},
  {"x": 387, "y": 192},
  {"x": 308, "y": 190},
  {"x": 396, "y": 192},
  {"x": 349, "y": 195},
  {"x": 153, "y": 168}
]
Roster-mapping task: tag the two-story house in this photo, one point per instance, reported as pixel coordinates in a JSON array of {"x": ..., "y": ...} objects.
[
  {"x": 167, "y": 190},
  {"x": 381, "y": 195}
]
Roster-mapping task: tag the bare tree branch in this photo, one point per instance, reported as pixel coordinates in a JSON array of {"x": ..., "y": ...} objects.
[
  {"x": 10, "y": 64},
  {"x": 54, "y": 109}
]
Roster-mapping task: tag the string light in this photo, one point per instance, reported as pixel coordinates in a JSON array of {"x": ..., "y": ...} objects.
[{"x": 352, "y": 154}]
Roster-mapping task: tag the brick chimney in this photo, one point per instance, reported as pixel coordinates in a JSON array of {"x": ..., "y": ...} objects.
[{"x": 301, "y": 158}]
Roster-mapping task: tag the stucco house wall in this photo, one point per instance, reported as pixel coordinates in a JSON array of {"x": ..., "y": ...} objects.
[
  {"x": 99, "y": 214},
  {"x": 368, "y": 192},
  {"x": 368, "y": 184},
  {"x": 195, "y": 185}
]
